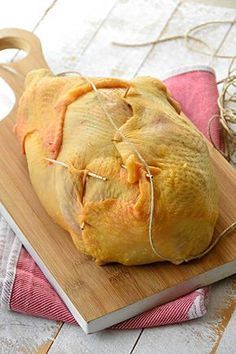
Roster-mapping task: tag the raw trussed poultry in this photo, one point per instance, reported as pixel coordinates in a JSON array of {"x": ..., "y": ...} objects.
[{"x": 61, "y": 118}]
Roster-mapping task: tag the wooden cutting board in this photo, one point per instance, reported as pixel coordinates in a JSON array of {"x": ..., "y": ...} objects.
[{"x": 97, "y": 296}]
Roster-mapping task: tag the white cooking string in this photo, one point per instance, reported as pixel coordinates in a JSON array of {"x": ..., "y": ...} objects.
[
  {"x": 187, "y": 37},
  {"x": 89, "y": 173}
]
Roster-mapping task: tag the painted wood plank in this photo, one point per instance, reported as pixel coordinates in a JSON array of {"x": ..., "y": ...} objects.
[
  {"x": 72, "y": 339},
  {"x": 69, "y": 28},
  {"x": 130, "y": 20},
  {"x": 227, "y": 344},
  {"x": 198, "y": 336},
  {"x": 228, "y": 48},
  {"x": 223, "y": 3},
  {"x": 160, "y": 62},
  {"x": 25, "y": 334},
  {"x": 25, "y": 14},
  {"x": 62, "y": 47},
  {"x": 21, "y": 14}
]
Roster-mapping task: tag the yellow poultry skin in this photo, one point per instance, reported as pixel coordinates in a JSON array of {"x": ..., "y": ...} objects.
[{"x": 61, "y": 118}]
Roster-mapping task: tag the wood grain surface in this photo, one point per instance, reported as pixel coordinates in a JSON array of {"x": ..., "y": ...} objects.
[{"x": 158, "y": 65}]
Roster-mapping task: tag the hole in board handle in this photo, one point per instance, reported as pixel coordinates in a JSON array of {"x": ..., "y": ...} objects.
[{"x": 12, "y": 54}]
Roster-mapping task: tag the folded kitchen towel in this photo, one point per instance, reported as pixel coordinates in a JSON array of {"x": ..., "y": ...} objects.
[{"x": 24, "y": 288}]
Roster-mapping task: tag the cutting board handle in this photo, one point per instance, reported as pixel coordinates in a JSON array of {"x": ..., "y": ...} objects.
[{"x": 14, "y": 72}]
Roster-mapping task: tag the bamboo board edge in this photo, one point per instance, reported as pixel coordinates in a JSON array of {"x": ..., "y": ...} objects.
[{"x": 131, "y": 310}]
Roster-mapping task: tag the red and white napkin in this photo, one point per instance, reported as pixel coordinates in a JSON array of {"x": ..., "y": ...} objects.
[{"x": 24, "y": 288}]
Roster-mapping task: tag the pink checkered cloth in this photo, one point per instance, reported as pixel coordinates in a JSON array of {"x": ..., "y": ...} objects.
[{"x": 24, "y": 288}]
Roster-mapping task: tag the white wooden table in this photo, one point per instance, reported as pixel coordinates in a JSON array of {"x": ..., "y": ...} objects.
[{"x": 77, "y": 35}]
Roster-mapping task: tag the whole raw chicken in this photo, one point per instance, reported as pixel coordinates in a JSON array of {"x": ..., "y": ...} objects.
[{"x": 97, "y": 188}]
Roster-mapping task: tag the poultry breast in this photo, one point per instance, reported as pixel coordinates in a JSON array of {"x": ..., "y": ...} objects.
[{"x": 97, "y": 188}]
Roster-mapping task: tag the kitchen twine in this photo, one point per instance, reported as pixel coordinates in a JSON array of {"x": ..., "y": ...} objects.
[
  {"x": 187, "y": 36},
  {"x": 227, "y": 114}
]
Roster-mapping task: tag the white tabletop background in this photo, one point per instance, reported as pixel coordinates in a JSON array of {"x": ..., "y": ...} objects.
[{"x": 77, "y": 35}]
